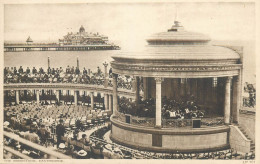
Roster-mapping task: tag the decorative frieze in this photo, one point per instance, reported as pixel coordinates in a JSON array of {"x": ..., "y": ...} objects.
[{"x": 167, "y": 68}]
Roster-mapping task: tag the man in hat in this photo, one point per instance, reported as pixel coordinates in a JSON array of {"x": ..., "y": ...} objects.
[{"x": 60, "y": 131}]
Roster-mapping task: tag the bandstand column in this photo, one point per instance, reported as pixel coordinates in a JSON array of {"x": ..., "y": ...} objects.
[
  {"x": 137, "y": 90},
  {"x": 227, "y": 101},
  {"x": 158, "y": 115},
  {"x": 145, "y": 83},
  {"x": 236, "y": 99},
  {"x": 115, "y": 93},
  {"x": 76, "y": 97},
  {"x": 17, "y": 97},
  {"x": 105, "y": 101},
  {"x": 37, "y": 96},
  {"x": 110, "y": 102},
  {"x": 92, "y": 99}
]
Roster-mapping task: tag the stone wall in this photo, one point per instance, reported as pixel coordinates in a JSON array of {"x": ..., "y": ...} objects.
[
  {"x": 194, "y": 141},
  {"x": 247, "y": 122},
  {"x": 137, "y": 138},
  {"x": 168, "y": 140},
  {"x": 238, "y": 141}
]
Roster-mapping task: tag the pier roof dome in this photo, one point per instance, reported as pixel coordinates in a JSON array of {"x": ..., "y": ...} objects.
[{"x": 81, "y": 29}]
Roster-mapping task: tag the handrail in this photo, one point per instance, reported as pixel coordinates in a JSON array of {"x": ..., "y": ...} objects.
[
  {"x": 17, "y": 153},
  {"x": 36, "y": 146},
  {"x": 98, "y": 88},
  {"x": 241, "y": 133}
]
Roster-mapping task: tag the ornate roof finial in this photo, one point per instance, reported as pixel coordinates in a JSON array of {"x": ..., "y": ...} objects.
[{"x": 176, "y": 13}]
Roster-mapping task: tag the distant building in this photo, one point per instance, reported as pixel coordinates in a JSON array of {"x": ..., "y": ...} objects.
[
  {"x": 83, "y": 38},
  {"x": 29, "y": 40}
]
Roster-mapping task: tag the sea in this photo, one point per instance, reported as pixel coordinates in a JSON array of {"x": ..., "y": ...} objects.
[{"x": 93, "y": 59}]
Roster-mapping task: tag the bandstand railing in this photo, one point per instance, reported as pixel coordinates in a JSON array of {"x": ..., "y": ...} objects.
[
  {"x": 142, "y": 121},
  {"x": 169, "y": 123},
  {"x": 214, "y": 121},
  {"x": 135, "y": 120},
  {"x": 176, "y": 123}
]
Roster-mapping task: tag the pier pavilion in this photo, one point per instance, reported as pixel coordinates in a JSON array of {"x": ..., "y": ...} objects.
[{"x": 178, "y": 64}]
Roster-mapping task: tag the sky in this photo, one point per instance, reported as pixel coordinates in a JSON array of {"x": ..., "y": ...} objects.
[{"x": 128, "y": 23}]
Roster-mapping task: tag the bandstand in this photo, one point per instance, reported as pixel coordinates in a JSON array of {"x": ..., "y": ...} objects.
[{"x": 178, "y": 65}]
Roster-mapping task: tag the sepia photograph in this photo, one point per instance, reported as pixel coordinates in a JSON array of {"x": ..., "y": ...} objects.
[{"x": 153, "y": 80}]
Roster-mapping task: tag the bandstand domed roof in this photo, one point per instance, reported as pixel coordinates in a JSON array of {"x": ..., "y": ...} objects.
[
  {"x": 179, "y": 44},
  {"x": 178, "y": 53}
]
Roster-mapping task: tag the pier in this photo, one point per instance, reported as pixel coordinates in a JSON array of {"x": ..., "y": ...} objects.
[{"x": 18, "y": 48}]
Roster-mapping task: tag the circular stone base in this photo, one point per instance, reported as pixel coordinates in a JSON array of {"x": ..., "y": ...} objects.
[{"x": 170, "y": 139}]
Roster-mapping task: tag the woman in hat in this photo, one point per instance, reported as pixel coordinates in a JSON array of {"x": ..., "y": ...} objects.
[{"x": 81, "y": 154}]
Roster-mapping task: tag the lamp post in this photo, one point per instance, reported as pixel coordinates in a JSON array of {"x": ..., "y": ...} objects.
[
  {"x": 106, "y": 77},
  {"x": 77, "y": 62},
  {"x": 48, "y": 62}
]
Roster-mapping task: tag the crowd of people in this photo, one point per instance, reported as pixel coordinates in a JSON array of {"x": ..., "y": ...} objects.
[
  {"x": 94, "y": 146},
  {"x": 181, "y": 110},
  {"x": 171, "y": 109},
  {"x": 60, "y": 75},
  {"x": 24, "y": 116},
  {"x": 49, "y": 124},
  {"x": 66, "y": 128}
]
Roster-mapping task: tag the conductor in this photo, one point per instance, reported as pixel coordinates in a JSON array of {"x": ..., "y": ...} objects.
[{"x": 60, "y": 131}]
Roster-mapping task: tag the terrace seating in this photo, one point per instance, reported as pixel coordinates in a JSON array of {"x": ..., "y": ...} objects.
[{"x": 11, "y": 75}]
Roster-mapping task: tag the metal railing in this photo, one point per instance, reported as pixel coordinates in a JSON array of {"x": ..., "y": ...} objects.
[
  {"x": 68, "y": 86},
  {"x": 142, "y": 121},
  {"x": 176, "y": 123},
  {"x": 168, "y": 123},
  {"x": 45, "y": 150}
]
